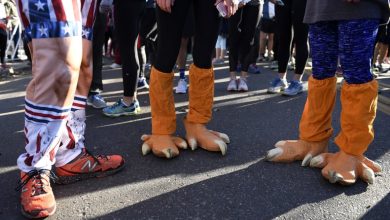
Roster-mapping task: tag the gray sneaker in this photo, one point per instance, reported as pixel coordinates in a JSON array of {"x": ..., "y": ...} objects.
[
  {"x": 96, "y": 101},
  {"x": 120, "y": 109},
  {"x": 277, "y": 85},
  {"x": 294, "y": 88}
]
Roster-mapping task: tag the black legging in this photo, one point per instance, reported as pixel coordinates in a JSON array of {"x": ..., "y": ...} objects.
[
  {"x": 288, "y": 17},
  {"x": 242, "y": 27},
  {"x": 99, "y": 27},
  {"x": 170, "y": 26},
  {"x": 3, "y": 45},
  {"x": 127, "y": 15}
]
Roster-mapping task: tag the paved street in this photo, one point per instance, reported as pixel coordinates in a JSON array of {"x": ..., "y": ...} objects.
[{"x": 200, "y": 184}]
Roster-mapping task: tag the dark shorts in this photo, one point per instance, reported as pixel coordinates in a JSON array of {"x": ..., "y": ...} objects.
[
  {"x": 384, "y": 34},
  {"x": 267, "y": 26}
]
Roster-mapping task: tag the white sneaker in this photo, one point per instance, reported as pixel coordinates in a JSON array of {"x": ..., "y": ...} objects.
[
  {"x": 242, "y": 86},
  {"x": 181, "y": 87},
  {"x": 115, "y": 66},
  {"x": 232, "y": 85}
]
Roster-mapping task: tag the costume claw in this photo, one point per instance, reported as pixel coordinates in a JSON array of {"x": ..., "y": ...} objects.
[
  {"x": 271, "y": 154},
  {"x": 317, "y": 161},
  {"x": 368, "y": 176},
  {"x": 223, "y": 136},
  {"x": 145, "y": 137},
  {"x": 167, "y": 152},
  {"x": 375, "y": 166},
  {"x": 146, "y": 149},
  {"x": 306, "y": 160},
  {"x": 280, "y": 144},
  {"x": 222, "y": 146},
  {"x": 183, "y": 145},
  {"x": 192, "y": 143},
  {"x": 334, "y": 177}
]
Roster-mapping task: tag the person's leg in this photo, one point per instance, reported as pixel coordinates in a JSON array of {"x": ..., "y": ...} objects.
[
  {"x": 182, "y": 57},
  {"x": 94, "y": 98},
  {"x": 201, "y": 90},
  {"x": 181, "y": 87},
  {"x": 170, "y": 26},
  {"x": 301, "y": 47},
  {"x": 270, "y": 46},
  {"x": 359, "y": 94},
  {"x": 48, "y": 101},
  {"x": 263, "y": 42},
  {"x": 284, "y": 28},
  {"x": 223, "y": 48},
  {"x": 284, "y": 38},
  {"x": 315, "y": 127},
  {"x": 300, "y": 38},
  {"x": 234, "y": 41},
  {"x": 127, "y": 18},
  {"x": 249, "y": 21}
]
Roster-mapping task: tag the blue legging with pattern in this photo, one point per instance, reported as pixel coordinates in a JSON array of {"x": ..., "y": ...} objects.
[{"x": 351, "y": 41}]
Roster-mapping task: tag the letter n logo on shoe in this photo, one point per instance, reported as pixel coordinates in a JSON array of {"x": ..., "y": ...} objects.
[{"x": 89, "y": 166}]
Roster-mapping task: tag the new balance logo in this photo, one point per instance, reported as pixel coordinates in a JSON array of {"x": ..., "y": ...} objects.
[{"x": 89, "y": 166}]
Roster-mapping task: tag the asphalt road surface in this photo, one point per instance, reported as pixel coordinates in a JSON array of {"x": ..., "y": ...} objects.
[{"x": 200, "y": 184}]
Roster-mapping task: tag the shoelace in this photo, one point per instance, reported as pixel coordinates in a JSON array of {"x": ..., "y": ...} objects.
[
  {"x": 38, "y": 185},
  {"x": 95, "y": 158},
  {"x": 116, "y": 104}
]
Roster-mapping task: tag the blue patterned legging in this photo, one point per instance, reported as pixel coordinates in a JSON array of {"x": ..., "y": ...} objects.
[{"x": 352, "y": 41}]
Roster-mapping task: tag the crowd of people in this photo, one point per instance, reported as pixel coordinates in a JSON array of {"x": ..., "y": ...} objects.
[{"x": 152, "y": 39}]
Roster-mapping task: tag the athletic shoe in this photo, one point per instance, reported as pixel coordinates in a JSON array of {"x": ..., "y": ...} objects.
[
  {"x": 115, "y": 66},
  {"x": 181, "y": 87},
  {"x": 270, "y": 57},
  {"x": 87, "y": 166},
  {"x": 142, "y": 83},
  {"x": 218, "y": 62},
  {"x": 277, "y": 85},
  {"x": 382, "y": 69},
  {"x": 96, "y": 101},
  {"x": 232, "y": 86},
  {"x": 254, "y": 69},
  {"x": 120, "y": 109},
  {"x": 37, "y": 198},
  {"x": 294, "y": 88},
  {"x": 242, "y": 86}
]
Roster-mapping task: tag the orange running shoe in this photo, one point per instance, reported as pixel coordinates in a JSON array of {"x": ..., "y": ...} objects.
[
  {"x": 88, "y": 166},
  {"x": 37, "y": 198}
]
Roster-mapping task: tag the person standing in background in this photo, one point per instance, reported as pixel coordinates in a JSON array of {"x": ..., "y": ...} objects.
[
  {"x": 242, "y": 27},
  {"x": 289, "y": 26},
  {"x": 127, "y": 17},
  {"x": 94, "y": 98}
]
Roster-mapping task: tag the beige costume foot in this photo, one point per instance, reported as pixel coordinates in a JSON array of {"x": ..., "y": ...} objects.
[
  {"x": 345, "y": 168},
  {"x": 292, "y": 150},
  {"x": 162, "y": 145},
  {"x": 199, "y": 135}
]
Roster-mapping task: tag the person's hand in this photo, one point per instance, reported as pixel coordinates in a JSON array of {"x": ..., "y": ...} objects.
[
  {"x": 165, "y": 5},
  {"x": 353, "y": 1},
  {"x": 231, "y": 7},
  {"x": 105, "y": 6}
]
